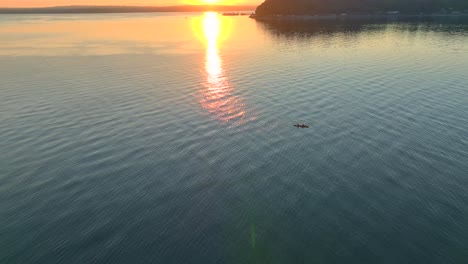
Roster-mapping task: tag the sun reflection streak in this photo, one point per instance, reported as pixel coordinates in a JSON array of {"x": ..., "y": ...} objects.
[
  {"x": 211, "y": 27},
  {"x": 216, "y": 95}
]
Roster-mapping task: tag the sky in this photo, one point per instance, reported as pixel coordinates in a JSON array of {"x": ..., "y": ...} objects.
[{"x": 44, "y": 3}]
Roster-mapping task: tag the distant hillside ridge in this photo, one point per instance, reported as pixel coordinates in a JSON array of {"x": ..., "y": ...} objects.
[
  {"x": 125, "y": 9},
  {"x": 321, "y": 7}
]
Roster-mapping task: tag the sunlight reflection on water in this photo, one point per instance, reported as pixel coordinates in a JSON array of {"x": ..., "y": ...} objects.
[{"x": 216, "y": 95}]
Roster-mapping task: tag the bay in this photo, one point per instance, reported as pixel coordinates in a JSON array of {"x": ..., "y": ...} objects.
[{"x": 169, "y": 138}]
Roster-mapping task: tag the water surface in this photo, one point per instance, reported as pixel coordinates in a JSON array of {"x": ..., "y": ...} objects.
[{"x": 168, "y": 138}]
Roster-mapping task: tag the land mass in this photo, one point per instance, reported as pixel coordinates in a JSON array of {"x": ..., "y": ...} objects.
[
  {"x": 360, "y": 7},
  {"x": 125, "y": 9}
]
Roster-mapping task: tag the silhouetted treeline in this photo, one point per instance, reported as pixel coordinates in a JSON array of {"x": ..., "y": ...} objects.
[{"x": 311, "y": 7}]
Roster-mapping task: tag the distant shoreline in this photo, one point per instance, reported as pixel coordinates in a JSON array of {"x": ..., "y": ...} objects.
[
  {"x": 125, "y": 9},
  {"x": 357, "y": 16}
]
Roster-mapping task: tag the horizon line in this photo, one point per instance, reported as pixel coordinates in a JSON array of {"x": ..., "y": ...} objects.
[{"x": 137, "y": 6}]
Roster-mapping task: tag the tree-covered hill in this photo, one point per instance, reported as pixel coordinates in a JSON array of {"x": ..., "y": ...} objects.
[{"x": 311, "y": 7}]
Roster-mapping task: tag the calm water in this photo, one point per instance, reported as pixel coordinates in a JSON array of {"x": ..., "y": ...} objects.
[{"x": 168, "y": 138}]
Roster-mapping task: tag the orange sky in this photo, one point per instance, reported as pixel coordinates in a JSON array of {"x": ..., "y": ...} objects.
[{"x": 42, "y": 3}]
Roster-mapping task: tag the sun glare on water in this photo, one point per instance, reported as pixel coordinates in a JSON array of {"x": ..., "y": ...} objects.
[
  {"x": 216, "y": 95},
  {"x": 211, "y": 28}
]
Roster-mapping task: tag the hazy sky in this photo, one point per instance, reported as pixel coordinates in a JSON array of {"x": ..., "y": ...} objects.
[{"x": 37, "y": 3}]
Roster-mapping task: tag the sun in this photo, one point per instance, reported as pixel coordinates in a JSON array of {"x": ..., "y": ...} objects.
[
  {"x": 209, "y": 2},
  {"x": 213, "y": 2}
]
